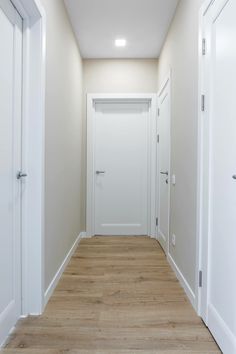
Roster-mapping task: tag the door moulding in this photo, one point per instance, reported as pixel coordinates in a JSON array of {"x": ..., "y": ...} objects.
[
  {"x": 165, "y": 82},
  {"x": 33, "y": 145},
  {"x": 144, "y": 98},
  {"x": 221, "y": 329},
  {"x": 201, "y": 246}
]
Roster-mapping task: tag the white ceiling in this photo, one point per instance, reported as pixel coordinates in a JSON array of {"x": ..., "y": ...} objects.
[{"x": 144, "y": 23}]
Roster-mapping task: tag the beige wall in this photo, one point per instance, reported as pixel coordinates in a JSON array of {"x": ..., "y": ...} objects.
[
  {"x": 115, "y": 76},
  {"x": 180, "y": 53},
  {"x": 120, "y": 76},
  {"x": 63, "y": 138}
]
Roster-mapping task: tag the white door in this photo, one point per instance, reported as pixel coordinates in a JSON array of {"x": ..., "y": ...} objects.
[
  {"x": 10, "y": 163},
  {"x": 219, "y": 174},
  {"x": 163, "y": 198},
  {"x": 121, "y": 168}
]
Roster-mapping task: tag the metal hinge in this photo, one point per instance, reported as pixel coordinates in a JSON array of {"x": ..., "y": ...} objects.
[
  {"x": 204, "y": 46},
  {"x": 158, "y": 138},
  {"x": 158, "y": 112},
  {"x": 200, "y": 279},
  {"x": 156, "y": 221},
  {"x": 203, "y": 103}
]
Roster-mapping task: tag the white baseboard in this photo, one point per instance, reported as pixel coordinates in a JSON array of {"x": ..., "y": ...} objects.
[
  {"x": 223, "y": 335},
  {"x": 54, "y": 282},
  {"x": 84, "y": 235},
  {"x": 182, "y": 281}
]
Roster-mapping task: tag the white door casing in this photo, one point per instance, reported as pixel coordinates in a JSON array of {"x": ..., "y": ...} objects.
[
  {"x": 33, "y": 113},
  {"x": 10, "y": 163},
  {"x": 33, "y": 145},
  {"x": 121, "y": 136},
  {"x": 163, "y": 166},
  {"x": 217, "y": 165}
]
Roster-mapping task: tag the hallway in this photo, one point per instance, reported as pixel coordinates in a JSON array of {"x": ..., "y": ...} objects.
[{"x": 118, "y": 295}]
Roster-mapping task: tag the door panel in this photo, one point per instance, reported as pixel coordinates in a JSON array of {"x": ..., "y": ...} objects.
[
  {"x": 163, "y": 126},
  {"x": 220, "y": 73},
  {"x": 10, "y": 161},
  {"x": 121, "y": 152}
]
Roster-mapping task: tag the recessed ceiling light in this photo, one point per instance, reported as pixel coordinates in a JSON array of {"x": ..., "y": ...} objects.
[{"x": 121, "y": 42}]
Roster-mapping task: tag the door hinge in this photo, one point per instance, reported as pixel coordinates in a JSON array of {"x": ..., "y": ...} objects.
[
  {"x": 200, "y": 279},
  {"x": 158, "y": 138},
  {"x": 158, "y": 112},
  {"x": 204, "y": 46},
  {"x": 156, "y": 221},
  {"x": 203, "y": 103}
]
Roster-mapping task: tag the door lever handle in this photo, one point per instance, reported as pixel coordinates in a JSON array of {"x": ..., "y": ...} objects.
[
  {"x": 100, "y": 172},
  {"x": 164, "y": 173},
  {"x": 21, "y": 175}
]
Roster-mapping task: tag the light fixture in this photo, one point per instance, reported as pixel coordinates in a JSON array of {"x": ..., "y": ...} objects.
[{"x": 120, "y": 42}]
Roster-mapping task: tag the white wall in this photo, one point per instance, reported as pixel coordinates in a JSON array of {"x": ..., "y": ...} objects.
[
  {"x": 63, "y": 138},
  {"x": 115, "y": 76},
  {"x": 180, "y": 53}
]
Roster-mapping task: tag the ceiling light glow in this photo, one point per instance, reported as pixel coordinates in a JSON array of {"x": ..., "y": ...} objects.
[{"x": 121, "y": 42}]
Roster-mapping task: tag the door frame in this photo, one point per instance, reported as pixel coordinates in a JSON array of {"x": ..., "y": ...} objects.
[
  {"x": 33, "y": 151},
  {"x": 204, "y": 172},
  {"x": 203, "y": 187},
  {"x": 202, "y": 247},
  {"x": 165, "y": 82},
  {"x": 92, "y": 99}
]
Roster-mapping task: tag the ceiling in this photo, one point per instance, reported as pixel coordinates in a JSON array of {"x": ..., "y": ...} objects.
[{"x": 143, "y": 23}]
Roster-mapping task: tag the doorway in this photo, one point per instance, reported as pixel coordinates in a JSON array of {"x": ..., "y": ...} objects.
[
  {"x": 121, "y": 165},
  {"x": 217, "y": 180}
]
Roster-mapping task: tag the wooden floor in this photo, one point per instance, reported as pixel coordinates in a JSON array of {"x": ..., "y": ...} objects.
[{"x": 118, "y": 295}]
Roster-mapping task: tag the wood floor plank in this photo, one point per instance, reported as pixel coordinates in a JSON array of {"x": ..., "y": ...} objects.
[{"x": 118, "y": 295}]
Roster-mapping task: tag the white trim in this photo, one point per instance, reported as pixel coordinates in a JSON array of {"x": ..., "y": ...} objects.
[
  {"x": 54, "y": 282},
  {"x": 33, "y": 117},
  {"x": 203, "y": 203},
  {"x": 199, "y": 265},
  {"x": 84, "y": 235},
  {"x": 220, "y": 330},
  {"x": 6, "y": 339},
  {"x": 150, "y": 98},
  {"x": 189, "y": 292},
  {"x": 168, "y": 80}
]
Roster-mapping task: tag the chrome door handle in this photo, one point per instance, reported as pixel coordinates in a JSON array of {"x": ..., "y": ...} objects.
[
  {"x": 21, "y": 175},
  {"x": 100, "y": 172},
  {"x": 164, "y": 173}
]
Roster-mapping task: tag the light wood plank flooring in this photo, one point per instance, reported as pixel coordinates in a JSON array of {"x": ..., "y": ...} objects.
[{"x": 118, "y": 295}]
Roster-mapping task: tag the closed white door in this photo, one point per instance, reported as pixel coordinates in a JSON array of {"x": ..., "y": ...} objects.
[
  {"x": 121, "y": 168},
  {"x": 219, "y": 173},
  {"x": 10, "y": 163},
  {"x": 163, "y": 200}
]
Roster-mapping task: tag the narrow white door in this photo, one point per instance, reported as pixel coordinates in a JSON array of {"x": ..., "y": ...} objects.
[
  {"x": 121, "y": 168},
  {"x": 219, "y": 156},
  {"x": 10, "y": 163},
  {"x": 163, "y": 198}
]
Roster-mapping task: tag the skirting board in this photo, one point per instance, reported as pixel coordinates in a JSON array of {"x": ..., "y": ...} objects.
[
  {"x": 182, "y": 281},
  {"x": 86, "y": 236},
  {"x": 62, "y": 268},
  {"x": 224, "y": 336}
]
